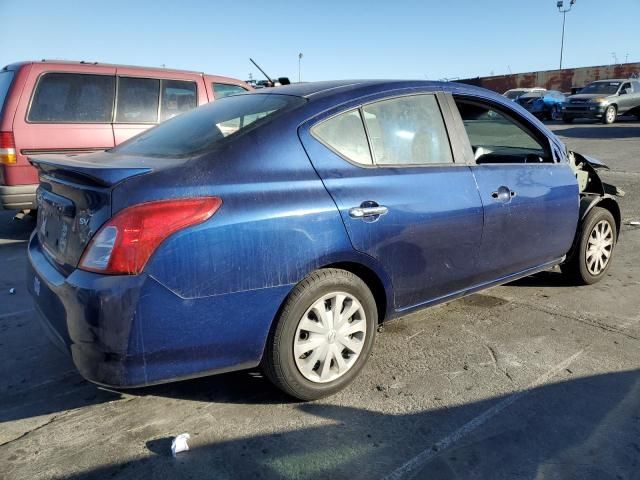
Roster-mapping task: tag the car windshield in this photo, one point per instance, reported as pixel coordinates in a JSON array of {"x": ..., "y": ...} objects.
[
  {"x": 601, "y": 87},
  {"x": 533, "y": 94},
  {"x": 511, "y": 94},
  {"x": 200, "y": 129}
]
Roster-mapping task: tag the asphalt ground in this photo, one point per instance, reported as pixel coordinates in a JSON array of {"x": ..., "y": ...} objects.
[{"x": 536, "y": 379}]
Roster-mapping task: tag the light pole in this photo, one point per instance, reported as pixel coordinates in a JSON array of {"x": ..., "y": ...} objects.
[
  {"x": 299, "y": 63},
  {"x": 563, "y": 11}
]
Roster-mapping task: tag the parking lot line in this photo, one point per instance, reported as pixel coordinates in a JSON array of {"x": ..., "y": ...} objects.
[{"x": 414, "y": 465}]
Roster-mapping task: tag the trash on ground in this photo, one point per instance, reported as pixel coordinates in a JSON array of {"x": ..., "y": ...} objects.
[
  {"x": 179, "y": 444},
  {"x": 12, "y": 291},
  {"x": 635, "y": 223}
]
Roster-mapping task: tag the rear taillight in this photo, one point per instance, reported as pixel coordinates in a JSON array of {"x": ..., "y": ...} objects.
[
  {"x": 7, "y": 148},
  {"x": 124, "y": 244}
]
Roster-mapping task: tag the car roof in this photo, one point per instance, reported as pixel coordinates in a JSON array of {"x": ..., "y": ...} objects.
[
  {"x": 327, "y": 89},
  {"x": 613, "y": 80}
]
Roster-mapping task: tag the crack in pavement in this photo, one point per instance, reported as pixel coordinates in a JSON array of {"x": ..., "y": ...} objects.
[{"x": 555, "y": 310}]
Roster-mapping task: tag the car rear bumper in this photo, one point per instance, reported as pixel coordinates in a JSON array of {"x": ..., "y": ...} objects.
[
  {"x": 131, "y": 331},
  {"x": 18, "y": 197}
]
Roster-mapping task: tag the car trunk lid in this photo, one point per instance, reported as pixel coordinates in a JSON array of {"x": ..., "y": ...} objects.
[{"x": 74, "y": 201}]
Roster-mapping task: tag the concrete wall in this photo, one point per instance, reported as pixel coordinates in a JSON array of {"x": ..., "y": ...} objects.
[{"x": 561, "y": 80}]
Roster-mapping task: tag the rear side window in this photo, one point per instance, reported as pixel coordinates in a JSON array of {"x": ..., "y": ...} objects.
[
  {"x": 204, "y": 128},
  {"x": 72, "y": 98},
  {"x": 346, "y": 135},
  {"x": 407, "y": 131},
  {"x": 137, "y": 100},
  {"x": 6, "y": 78},
  {"x": 221, "y": 90}
]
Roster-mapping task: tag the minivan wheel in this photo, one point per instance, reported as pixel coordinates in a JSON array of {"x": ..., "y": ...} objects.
[
  {"x": 323, "y": 335},
  {"x": 610, "y": 115},
  {"x": 595, "y": 249}
]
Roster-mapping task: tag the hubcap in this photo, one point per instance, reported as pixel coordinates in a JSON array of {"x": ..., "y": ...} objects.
[
  {"x": 599, "y": 247},
  {"x": 610, "y": 114},
  {"x": 330, "y": 337}
]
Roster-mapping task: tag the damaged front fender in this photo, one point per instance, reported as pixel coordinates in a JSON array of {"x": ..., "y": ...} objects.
[{"x": 593, "y": 192}]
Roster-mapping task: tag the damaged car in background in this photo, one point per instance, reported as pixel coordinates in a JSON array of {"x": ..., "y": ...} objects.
[{"x": 279, "y": 228}]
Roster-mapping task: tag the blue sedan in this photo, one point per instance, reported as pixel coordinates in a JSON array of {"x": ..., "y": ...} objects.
[
  {"x": 278, "y": 228},
  {"x": 544, "y": 104}
]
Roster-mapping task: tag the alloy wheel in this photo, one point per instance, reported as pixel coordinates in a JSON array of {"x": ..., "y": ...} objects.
[{"x": 599, "y": 247}]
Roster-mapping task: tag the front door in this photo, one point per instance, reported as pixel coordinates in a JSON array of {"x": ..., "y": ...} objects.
[
  {"x": 404, "y": 201},
  {"x": 530, "y": 199}
]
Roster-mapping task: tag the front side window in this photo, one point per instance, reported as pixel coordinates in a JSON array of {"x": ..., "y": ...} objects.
[
  {"x": 178, "y": 96},
  {"x": 204, "y": 128},
  {"x": 407, "y": 131},
  {"x": 137, "y": 100},
  {"x": 496, "y": 138},
  {"x": 72, "y": 98},
  {"x": 221, "y": 90},
  {"x": 345, "y": 134}
]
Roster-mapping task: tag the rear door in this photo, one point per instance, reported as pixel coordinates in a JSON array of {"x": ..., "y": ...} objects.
[
  {"x": 390, "y": 168},
  {"x": 529, "y": 192}
]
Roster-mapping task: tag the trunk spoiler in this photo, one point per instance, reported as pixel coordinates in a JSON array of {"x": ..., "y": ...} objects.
[{"x": 105, "y": 174}]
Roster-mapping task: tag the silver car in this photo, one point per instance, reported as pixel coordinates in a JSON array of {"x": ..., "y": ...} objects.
[{"x": 604, "y": 100}]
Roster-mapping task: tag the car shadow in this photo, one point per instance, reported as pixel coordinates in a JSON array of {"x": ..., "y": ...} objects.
[
  {"x": 549, "y": 278},
  {"x": 587, "y": 427},
  {"x": 605, "y": 132}
]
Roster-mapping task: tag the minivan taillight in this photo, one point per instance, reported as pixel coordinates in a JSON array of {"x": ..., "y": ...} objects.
[
  {"x": 7, "y": 148},
  {"x": 125, "y": 243}
]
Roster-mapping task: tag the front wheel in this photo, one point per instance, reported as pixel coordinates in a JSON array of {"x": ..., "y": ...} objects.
[
  {"x": 566, "y": 119},
  {"x": 323, "y": 336},
  {"x": 595, "y": 248},
  {"x": 610, "y": 115}
]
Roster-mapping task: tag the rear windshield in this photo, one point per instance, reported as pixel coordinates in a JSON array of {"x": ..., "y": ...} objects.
[
  {"x": 5, "y": 82},
  {"x": 199, "y": 130}
]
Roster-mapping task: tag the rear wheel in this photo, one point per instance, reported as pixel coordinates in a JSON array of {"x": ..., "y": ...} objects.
[
  {"x": 610, "y": 115},
  {"x": 323, "y": 336},
  {"x": 595, "y": 248}
]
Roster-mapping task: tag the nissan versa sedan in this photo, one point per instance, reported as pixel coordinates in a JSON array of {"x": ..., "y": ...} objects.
[{"x": 278, "y": 228}]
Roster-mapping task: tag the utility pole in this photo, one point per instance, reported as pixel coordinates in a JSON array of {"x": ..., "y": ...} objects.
[
  {"x": 299, "y": 67},
  {"x": 563, "y": 11}
]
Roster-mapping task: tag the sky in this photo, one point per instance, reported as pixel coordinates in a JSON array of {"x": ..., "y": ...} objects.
[{"x": 338, "y": 39}]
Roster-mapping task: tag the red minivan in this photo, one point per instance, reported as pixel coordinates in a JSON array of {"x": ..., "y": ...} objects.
[{"x": 79, "y": 107}]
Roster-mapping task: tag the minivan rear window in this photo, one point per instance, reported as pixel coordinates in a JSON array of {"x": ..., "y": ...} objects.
[
  {"x": 6, "y": 78},
  {"x": 201, "y": 129},
  {"x": 72, "y": 98}
]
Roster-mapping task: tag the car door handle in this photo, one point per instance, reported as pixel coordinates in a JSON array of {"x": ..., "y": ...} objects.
[
  {"x": 503, "y": 194},
  {"x": 367, "y": 212}
]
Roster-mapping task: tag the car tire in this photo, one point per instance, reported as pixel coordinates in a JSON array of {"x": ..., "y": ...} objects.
[
  {"x": 598, "y": 235},
  {"x": 555, "y": 113},
  {"x": 301, "y": 373},
  {"x": 566, "y": 119},
  {"x": 609, "y": 115}
]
